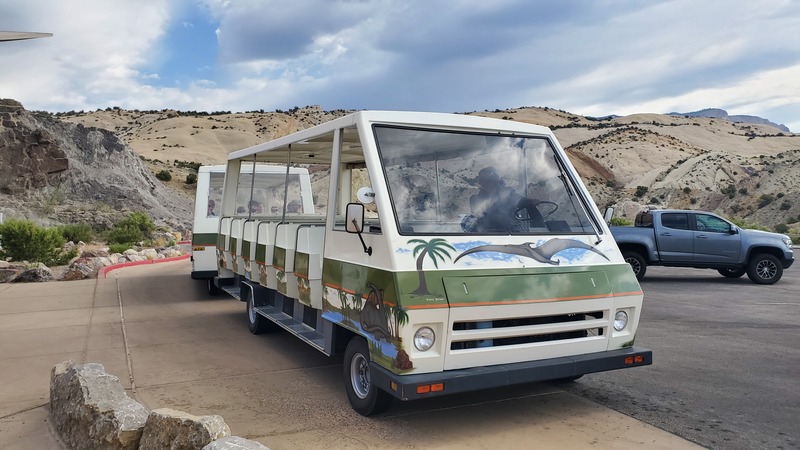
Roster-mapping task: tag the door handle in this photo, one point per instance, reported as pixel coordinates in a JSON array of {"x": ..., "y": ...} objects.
[{"x": 702, "y": 236}]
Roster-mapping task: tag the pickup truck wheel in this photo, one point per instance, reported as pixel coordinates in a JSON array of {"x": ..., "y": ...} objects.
[
  {"x": 637, "y": 263},
  {"x": 732, "y": 273},
  {"x": 764, "y": 269},
  {"x": 365, "y": 398}
]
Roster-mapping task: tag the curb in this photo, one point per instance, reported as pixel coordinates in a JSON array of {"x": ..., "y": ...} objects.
[{"x": 103, "y": 272}]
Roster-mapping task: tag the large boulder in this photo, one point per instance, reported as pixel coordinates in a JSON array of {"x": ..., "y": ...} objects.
[
  {"x": 34, "y": 275},
  {"x": 8, "y": 275},
  {"x": 78, "y": 272},
  {"x": 90, "y": 409},
  {"x": 167, "y": 429}
]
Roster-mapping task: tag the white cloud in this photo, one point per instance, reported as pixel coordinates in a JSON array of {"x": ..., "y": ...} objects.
[{"x": 598, "y": 58}]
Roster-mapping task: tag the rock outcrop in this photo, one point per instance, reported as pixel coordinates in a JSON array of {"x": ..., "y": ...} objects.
[
  {"x": 168, "y": 428},
  {"x": 50, "y": 169},
  {"x": 90, "y": 409}
]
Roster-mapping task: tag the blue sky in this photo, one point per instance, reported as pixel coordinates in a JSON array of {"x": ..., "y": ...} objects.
[{"x": 587, "y": 57}]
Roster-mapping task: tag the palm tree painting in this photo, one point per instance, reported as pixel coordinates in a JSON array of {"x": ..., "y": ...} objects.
[{"x": 436, "y": 249}]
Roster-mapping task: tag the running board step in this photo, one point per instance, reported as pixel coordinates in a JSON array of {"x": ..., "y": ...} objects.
[
  {"x": 311, "y": 336},
  {"x": 232, "y": 290}
]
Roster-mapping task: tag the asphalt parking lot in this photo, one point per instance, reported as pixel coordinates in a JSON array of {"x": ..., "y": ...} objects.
[
  {"x": 181, "y": 349},
  {"x": 726, "y": 370}
]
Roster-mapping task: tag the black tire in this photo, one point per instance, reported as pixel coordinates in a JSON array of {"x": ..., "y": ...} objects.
[
  {"x": 257, "y": 323},
  {"x": 764, "y": 269},
  {"x": 732, "y": 273},
  {"x": 365, "y": 398},
  {"x": 637, "y": 263},
  {"x": 212, "y": 288}
]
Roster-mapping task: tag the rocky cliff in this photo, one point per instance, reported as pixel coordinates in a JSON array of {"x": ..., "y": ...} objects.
[{"x": 58, "y": 172}]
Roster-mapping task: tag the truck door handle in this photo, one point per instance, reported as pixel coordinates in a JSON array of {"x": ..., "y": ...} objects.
[
  {"x": 666, "y": 234},
  {"x": 702, "y": 236}
]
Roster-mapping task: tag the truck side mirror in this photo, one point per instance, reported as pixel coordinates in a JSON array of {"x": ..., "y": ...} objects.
[
  {"x": 354, "y": 223},
  {"x": 734, "y": 230},
  {"x": 608, "y": 215},
  {"x": 354, "y": 218}
]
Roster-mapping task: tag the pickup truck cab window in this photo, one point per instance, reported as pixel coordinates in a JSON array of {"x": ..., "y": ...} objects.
[
  {"x": 678, "y": 221},
  {"x": 706, "y": 222}
]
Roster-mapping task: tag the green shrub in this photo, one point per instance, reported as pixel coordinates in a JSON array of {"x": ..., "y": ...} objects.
[
  {"x": 118, "y": 248},
  {"x": 191, "y": 178},
  {"x": 76, "y": 232},
  {"x": 765, "y": 200},
  {"x": 781, "y": 228},
  {"x": 25, "y": 241},
  {"x": 164, "y": 175},
  {"x": 620, "y": 221},
  {"x": 138, "y": 220},
  {"x": 729, "y": 190},
  {"x": 640, "y": 191},
  {"x": 125, "y": 234},
  {"x": 741, "y": 223}
]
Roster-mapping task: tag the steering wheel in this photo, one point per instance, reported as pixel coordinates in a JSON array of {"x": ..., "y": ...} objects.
[
  {"x": 518, "y": 213},
  {"x": 470, "y": 223}
]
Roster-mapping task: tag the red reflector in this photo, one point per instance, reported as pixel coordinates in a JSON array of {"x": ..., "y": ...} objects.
[
  {"x": 638, "y": 359},
  {"x": 438, "y": 387},
  {"x": 629, "y": 360},
  {"x": 424, "y": 389}
]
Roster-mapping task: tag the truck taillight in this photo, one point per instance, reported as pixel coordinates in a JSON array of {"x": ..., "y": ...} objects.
[
  {"x": 428, "y": 388},
  {"x": 636, "y": 359}
]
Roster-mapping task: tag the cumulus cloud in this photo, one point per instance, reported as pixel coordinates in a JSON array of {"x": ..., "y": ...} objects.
[{"x": 588, "y": 57}]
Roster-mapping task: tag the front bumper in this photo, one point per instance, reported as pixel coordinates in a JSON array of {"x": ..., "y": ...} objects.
[{"x": 412, "y": 387}]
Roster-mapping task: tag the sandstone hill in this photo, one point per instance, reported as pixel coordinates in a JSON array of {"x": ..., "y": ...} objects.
[{"x": 740, "y": 170}]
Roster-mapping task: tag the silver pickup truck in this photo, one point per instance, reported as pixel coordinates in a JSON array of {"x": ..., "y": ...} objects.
[{"x": 685, "y": 238}]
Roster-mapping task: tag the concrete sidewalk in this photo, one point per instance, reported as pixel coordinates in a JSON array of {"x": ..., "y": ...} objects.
[{"x": 184, "y": 350}]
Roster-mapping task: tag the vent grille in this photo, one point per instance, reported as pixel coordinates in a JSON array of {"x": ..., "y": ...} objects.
[{"x": 527, "y": 330}]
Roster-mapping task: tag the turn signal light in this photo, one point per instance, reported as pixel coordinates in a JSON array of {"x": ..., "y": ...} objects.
[
  {"x": 428, "y": 388},
  {"x": 637, "y": 359}
]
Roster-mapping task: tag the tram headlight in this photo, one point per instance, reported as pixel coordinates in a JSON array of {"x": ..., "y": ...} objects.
[
  {"x": 424, "y": 339},
  {"x": 620, "y": 320}
]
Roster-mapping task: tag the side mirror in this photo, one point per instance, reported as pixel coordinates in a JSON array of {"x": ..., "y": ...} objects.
[
  {"x": 608, "y": 215},
  {"x": 354, "y": 218},
  {"x": 354, "y": 223},
  {"x": 734, "y": 230}
]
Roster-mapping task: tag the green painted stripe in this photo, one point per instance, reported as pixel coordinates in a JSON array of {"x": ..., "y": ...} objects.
[
  {"x": 413, "y": 289},
  {"x": 500, "y": 289},
  {"x": 261, "y": 252},
  {"x": 279, "y": 257},
  {"x": 301, "y": 264},
  {"x": 205, "y": 239},
  {"x": 232, "y": 245},
  {"x": 246, "y": 249}
]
